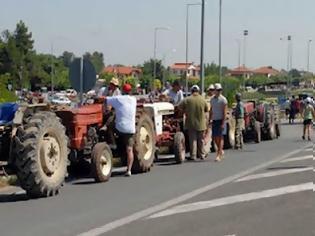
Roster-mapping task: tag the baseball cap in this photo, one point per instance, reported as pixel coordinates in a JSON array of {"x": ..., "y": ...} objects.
[
  {"x": 195, "y": 88},
  {"x": 127, "y": 88}
]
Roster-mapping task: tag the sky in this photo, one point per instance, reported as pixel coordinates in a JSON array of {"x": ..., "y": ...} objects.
[{"x": 124, "y": 30}]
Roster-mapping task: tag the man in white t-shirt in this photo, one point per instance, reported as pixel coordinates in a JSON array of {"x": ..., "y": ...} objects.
[
  {"x": 125, "y": 122},
  {"x": 175, "y": 93}
]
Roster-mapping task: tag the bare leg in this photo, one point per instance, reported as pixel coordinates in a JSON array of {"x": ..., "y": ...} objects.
[
  {"x": 130, "y": 158},
  {"x": 304, "y": 131}
]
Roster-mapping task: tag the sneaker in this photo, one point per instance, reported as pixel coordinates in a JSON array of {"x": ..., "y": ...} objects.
[
  {"x": 309, "y": 139},
  {"x": 218, "y": 159},
  {"x": 303, "y": 137},
  {"x": 128, "y": 173}
]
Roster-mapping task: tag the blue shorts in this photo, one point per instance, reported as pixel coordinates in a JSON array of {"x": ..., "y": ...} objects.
[{"x": 217, "y": 130}]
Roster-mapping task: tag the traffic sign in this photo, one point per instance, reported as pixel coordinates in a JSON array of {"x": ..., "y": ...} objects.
[{"x": 82, "y": 75}]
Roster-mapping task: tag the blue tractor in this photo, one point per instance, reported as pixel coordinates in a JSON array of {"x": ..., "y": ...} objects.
[{"x": 33, "y": 143}]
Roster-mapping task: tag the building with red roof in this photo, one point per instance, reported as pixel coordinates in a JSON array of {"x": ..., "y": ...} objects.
[
  {"x": 179, "y": 69},
  {"x": 267, "y": 71},
  {"x": 241, "y": 71},
  {"x": 123, "y": 71}
]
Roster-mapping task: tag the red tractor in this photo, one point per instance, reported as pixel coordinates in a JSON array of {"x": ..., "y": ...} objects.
[
  {"x": 89, "y": 140},
  {"x": 252, "y": 129}
]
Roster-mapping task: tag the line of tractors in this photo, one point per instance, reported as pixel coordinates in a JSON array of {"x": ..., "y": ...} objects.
[{"x": 38, "y": 142}]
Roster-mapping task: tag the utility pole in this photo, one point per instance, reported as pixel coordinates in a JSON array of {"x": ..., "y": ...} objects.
[
  {"x": 156, "y": 29},
  {"x": 245, "y": 34},
  {"x": 308, "y": 54},
  {"x": 238, "y": 41},
  {"x": 220, "y": 41},
  {"x": 202, "y": 74},
  {"x": 187, "y": 41},
  {"x": 52, "y": 69}
]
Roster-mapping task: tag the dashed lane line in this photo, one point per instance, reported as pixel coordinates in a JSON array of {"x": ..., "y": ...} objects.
[
  {"x": 196, "y": 206},
  {"x": 273, "y": 174},
  {"x": 302, "y": 158}
]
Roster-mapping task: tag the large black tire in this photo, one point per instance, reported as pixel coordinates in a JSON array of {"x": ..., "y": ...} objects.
[
  {"x": 102, "y": 162},
  {"x": 179, "y": 147},
  {"x": 41, "y": 158},
  {"x": 144, "y": 148},
  {"x": 257, "y": 132}
]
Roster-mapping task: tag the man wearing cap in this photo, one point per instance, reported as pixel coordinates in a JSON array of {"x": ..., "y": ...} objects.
[
  {"x": 239, "y": 118},
  {"x": 175, "y": 93},
  {"x": 113, "y": 88},
  {"x": 195, "y": 108},
  {"x": 125, "y": 121},
  {"x": 218, "y": 113}
]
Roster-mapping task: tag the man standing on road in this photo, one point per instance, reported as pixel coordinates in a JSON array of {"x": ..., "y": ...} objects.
[
  {"x": 218, "y": 114},
  {"x": 239, "y": 122},
  {"x": 308, "y": 116},
  {"x": 195, "y": 108},
  {"x": 125, "y": 121},
  {"x": 175, "y": 93}
]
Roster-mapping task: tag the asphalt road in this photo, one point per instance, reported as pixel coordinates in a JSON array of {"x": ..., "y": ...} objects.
[{"x": 252, "y": 192}]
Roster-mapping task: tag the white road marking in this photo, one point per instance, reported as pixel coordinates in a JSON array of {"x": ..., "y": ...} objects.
[
  {"x": 196, "y": 206},
  {"x": 273, "y": 173},
  {"x": 298, "y": 159},
  {"x": 151, "y": 210}
]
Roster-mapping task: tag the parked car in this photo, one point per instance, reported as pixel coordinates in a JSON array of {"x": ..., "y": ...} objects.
[{"x": 60, "y": 100}]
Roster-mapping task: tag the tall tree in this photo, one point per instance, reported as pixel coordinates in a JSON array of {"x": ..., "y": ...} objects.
[
  {"x": 67, "y": 58},
  {"x": 97, "y": 59}
]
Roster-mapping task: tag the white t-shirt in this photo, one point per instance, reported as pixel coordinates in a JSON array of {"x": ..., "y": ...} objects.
[
  {"x": 125, "y": 107},
  {"x": 176, "y": 97}
]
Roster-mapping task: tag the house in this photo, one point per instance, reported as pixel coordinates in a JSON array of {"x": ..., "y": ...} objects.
[
  {"x": 123, "y": 71},
  {"x": 180, "y": 69},
  {"x": 267, "y": 71},
  {"x": 241, "y": 71}
]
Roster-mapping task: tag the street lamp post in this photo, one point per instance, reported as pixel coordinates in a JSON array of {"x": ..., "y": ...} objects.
[
  {"x": 202, "y": 74},
  {"x": 220, "y": 41},
  {"x": 156, "y": 29},
  {"x": 187, "y": 41},
  {"x": 308, "y": 54},
  {"x": 238, "y": 41},
  {"x": 245, "y": 34}
]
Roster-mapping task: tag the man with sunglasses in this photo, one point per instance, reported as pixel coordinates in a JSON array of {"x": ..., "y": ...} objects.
[{"x": 218, "y": 112}]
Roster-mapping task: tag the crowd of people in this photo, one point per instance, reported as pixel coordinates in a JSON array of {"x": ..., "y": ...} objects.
[{"x": 205, "y": 117}]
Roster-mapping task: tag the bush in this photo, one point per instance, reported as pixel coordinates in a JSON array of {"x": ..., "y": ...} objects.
[{"x": 5, "y": 94}]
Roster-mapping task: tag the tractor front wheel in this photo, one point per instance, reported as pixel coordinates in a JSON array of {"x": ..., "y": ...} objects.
[
  {"x": 102, "y": 162},
  {"x": 41, "y": 158}
]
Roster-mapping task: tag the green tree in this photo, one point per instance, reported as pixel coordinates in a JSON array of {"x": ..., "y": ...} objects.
[
  {"x": 67, "y": 58},
  {"x": 148, "y": 69},
  {"x": 97, "y": 59}
]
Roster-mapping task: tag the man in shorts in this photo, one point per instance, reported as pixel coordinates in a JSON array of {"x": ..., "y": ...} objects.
[
  {"x": 125, "y": 121},
  {"x": 218, "y": 113},
  {"x": 308, "y": 116},
  {"x": 239, "y": 118}
]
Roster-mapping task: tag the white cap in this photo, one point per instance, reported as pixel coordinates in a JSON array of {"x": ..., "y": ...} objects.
[
  {"x": 218, "y": 86},
  {"x": 195, "y": 87},
  {"x": 308, "y": 99},
  {"x": 211, "y": 87}
]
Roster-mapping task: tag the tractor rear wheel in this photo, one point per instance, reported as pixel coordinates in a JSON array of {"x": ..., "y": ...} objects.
[
  {"x": 144, "y": 147},
  {"x": 179, "y": 147},
  {"x": 102, "y": 163},
  {"x": 42, "y": 155}
]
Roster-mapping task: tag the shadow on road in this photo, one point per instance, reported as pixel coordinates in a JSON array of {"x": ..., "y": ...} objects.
[{"x": 20, "y": 197}]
